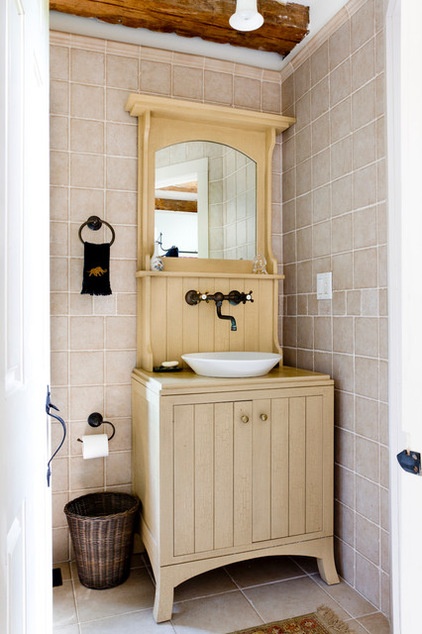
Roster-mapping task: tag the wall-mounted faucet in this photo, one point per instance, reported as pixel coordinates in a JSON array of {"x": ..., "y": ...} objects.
[{"x": 234, "y": 297}]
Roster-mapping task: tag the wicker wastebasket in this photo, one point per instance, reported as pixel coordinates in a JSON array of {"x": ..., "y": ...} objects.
[{"x": 102, "y": 528}]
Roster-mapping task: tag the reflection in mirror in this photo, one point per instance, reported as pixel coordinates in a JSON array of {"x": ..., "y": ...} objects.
[{"x": 205, "y": 201}]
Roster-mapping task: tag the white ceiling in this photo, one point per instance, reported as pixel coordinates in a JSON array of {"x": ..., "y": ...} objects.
[{"x": 321, "y": 11}]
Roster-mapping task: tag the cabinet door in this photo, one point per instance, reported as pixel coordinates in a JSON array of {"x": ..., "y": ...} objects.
[
  {"x": 250, "y": 471},
  {"x": 289, "y": 466},
  {"x": 212, "y": 476}
]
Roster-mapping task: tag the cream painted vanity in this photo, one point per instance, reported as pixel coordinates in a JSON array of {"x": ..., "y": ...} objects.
[{"x": 226, "y": 469}]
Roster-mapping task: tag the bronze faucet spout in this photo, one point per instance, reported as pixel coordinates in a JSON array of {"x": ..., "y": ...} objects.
[{"x": 233, "y": 325}]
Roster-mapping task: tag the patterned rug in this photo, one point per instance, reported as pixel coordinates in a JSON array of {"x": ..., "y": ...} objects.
[{"x": 323, "y": 621}]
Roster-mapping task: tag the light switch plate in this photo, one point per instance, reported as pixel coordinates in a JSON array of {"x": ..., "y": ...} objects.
[{"x": 325, "y": 285}]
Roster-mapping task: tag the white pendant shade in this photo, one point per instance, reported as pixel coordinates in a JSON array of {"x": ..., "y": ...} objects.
[{"x": 246, "y": 17}]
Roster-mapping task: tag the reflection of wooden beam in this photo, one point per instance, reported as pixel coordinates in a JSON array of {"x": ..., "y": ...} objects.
[
  {"x": 285, "y": 25},
  {"x": 168, "y": 204},
  {"x": 189, "y": 188}
]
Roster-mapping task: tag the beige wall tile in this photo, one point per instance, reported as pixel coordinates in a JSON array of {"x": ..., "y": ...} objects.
[
  {"x": 87, "y": 67},
  {"x": 302, "y": 80},
  {"x": 59, "y": 63},
  {"x": 87, "y": 101},
  {"x": 367, "y": 579},
  {"x": 218, "y": 87},
  {"x": 121, "y": 140},
  {"x": 321, "y": 239},
  {"x": 86, "y": 170},
  {"x": 362, "y": 25},
  {"x": 247, "y": 93},
  {"x": 86, "y": 136},
  {"x": 86, "y": 334},
  {"x": 366, "y": 336},
  {"x": 339, "y": 45},
  {"x": 320, "y": 98},
  {"x": 367, "y": 539},
  {"x": 122, "y": 72},
  {"x": 319, "y": 63},
  {"x": 155, "y": 77},
  {"x": 59, "y": 97},
  {"x": 86, "y": 474},
  {"x": 118, "y": 468},
  {"x": 323, "y": 335},
  {"x": 321, "y": 167},
  {"x": 86, "y": 368},
  {"x": 121, "y": 173},
  {"x": 340, "y": 83},
  {"x": 188, "y": 83},
  {"x": 271, "y": 97},
  {"x": 363, "y": 105},
  {"x": 367, "y": 458},
  {"x": 367, "y": 418}
]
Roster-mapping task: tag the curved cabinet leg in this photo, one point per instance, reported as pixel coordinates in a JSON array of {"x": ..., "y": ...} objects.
[
  {"x": 327, "y": 567},
  {"x": 164, "y": 595}
]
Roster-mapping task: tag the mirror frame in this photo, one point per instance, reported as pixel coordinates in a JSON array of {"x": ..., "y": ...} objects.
[{"x": 164, "y": 121}]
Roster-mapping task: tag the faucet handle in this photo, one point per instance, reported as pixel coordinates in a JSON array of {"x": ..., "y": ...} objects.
[
  {"x": 193, "y": 297},
  {"x": 249, "y": 297}
]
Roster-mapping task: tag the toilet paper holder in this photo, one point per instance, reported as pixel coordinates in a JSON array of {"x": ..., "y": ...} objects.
[{"x": 95, "y": 420}]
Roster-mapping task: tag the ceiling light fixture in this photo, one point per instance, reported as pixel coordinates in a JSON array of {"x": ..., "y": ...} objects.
[{"x": 246, "y": 17}]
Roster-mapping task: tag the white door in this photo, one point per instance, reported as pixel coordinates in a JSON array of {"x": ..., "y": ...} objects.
[
  {"x": 404, "y": 52},
  {"x": 25, "y": 525}
]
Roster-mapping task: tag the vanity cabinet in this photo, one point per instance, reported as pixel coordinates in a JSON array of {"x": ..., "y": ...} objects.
[{"x": 232, "y": 469}]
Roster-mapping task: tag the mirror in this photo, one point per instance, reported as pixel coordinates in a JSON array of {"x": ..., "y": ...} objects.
[
  {"x": 205, "y": 201},
  {"x": 180, "y": 126}
]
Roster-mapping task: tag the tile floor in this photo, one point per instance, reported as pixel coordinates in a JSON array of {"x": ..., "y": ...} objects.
[{"x": 224, "y": 600}]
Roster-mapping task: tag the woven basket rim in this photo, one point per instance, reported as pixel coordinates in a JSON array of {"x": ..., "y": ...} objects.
[{"x": 72, "y": 513}]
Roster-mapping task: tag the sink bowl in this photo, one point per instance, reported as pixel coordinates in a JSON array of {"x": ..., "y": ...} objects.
[{"x": 231, "y": 364}]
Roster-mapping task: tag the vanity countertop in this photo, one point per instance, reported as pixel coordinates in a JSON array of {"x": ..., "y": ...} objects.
[{"x": 186, "y": 380}]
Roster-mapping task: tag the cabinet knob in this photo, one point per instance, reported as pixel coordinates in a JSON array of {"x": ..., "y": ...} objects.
[
  {"x": 244, "y": 418},
  {"x": 264, "y": 417}
]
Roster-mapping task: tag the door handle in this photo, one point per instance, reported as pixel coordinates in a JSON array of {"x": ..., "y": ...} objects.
[
  {"x": 48, "y": 407},
  {"x": 410, "y": 461}
]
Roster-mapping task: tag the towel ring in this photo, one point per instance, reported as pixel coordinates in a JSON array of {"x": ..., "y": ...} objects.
[{"x": 94, "y": 223}]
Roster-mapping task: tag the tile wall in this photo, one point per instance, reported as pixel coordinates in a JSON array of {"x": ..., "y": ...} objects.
[
  {"x": 94, "y": 171},
  {"x": 335, "y": 220}
]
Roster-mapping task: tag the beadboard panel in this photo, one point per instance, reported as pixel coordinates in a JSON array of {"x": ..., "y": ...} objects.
[{"x": 168, "y": 327}]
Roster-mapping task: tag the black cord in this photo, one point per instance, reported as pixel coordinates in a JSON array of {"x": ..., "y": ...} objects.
[{"x": 48, "y": 406}]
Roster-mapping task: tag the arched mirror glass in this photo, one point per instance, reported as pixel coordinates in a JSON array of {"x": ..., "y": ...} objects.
[{"x": 205, "y": 201}]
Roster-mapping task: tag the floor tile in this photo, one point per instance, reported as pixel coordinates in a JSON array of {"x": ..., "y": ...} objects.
[
  {"x": 375, "y": 624},
  {"x": 356, "y": 627},
  {"x": 64, "y": 609},
  {"x": 132, "y": 623},
  {"x": 263, "y": 570},
  {"x": 350, "y": 600},
  {"x": 285, "y": 599},
  {"x": 223, "y": 600},
  {"x": 307, "y": 564},
  {"x": 68, "y": 629},
  {"x": 136, "y": 593},
  {"x": 217, "y": 614},
  {"x": 213, "y": 582}
]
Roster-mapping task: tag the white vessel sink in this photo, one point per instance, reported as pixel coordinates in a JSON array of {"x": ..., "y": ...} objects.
[{"x": 231, "y": 364}]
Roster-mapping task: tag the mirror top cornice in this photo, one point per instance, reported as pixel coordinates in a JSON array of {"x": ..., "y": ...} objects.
[
  {"x": 164, "y": 121},
  {"x": 138, "y": 104}
]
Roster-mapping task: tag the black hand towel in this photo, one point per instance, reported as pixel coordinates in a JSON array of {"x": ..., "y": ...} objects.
[{"x": 96, "y": 275}]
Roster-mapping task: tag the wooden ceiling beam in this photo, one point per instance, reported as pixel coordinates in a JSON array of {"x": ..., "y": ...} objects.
[{"x": 285, "y": 25}]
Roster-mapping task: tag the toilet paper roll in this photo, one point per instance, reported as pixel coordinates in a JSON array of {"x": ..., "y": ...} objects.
[{"x": 95, "y": 446}]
